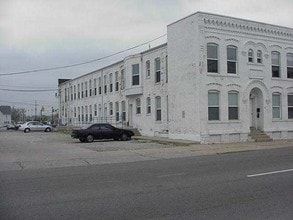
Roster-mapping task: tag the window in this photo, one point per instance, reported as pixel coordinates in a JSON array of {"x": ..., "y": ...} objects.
[
  {"x": 290, "y": 106},
  {"x": 148, "y": 68},
  {"x": 275, "y": 64},
  {"x": 95, "y": 110},
  {"x": 276, "y": 105},
  {"x": 111, "y": 82},
  {"x": 81, "y": 90},
  {"x": 233, "y": 106},
  {"x": 105, "y": 84},
  {"x": 78, "y": 112},
  {"x": 212, "y": 58},
  {"x": 231, "y": 59},
  {"x": 111, "y": 108},
  {"x": 148, "y": 105},
  {"x": 74, "y": 92},
  {"x": 90, "y": 87},
  {"x": 95, "y": 86},
  {"x": 213, "y": 105},
  {"x": 158, "y": 109},
  {"x": 122, "y": 79},
  {"x": 138, "y": 108},
  {"x": 91, "y": 113},
  {"x": 75, "y": 112},
  {"x": 86, "y": 113},
  {"x": 85, "y": 84},
  {"x": 78, "y": 91},
  {"x": 158, "y": 70},
  {"x": 116, "y": 81},
  {"x": 250, "y": 56},
  {"x": 259, "y": 56},
  {"x": 100, "y": 85},
  {"x": 290, "y": 65},
  {"x": 71, "y": 93},
  {"x": 123, "y": 106},
  {"x": 135, "y": 74},
  {"x": 117, "y": 110},
  {"x": 82, "y": 113},
  {"x": 166, "y": 68}
]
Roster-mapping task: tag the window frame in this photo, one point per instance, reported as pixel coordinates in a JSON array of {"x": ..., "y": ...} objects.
[
  {"x": 276, "y": 106},
  {"x": 211, "y": 60},
  {"x": 148, "y": 68},
  {"x": 148, "y": 106},
  {"x": 158, "y": 102},
  {"x": 289, "y": 66},
  {"x": 233, "y": 106},
  {"x": 135, "y": 75},
  {"x": 259, "y": 58},
  {"x": 232, "y": 62},
  {"x": 158, "y": 70},
  {"x": 250, "y": 56},
  {"x": 213, "y": 106},
  {"x": 290, "y": 106},
  {"x": 138, "y": 106},
  {"x": 276, "y": 68}
]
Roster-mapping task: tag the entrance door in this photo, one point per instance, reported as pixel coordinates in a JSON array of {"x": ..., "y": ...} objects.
[{"x": 256, "y": 109}]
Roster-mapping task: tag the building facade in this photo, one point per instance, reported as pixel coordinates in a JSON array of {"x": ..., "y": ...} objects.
[{"x": 215, "y": 79}]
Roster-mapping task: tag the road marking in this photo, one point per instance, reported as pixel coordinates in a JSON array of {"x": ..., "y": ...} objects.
[
  {"x": 172, "y": 174},
  {"x": 269, "y": 173}
]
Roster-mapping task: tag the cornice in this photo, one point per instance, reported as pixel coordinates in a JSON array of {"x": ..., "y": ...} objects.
[{"x": 246, "y": 27}]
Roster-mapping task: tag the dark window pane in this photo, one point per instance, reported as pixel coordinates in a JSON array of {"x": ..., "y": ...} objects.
[
  {"x": 158, "y": 116},
  {"x": 290, "y": 112},
  {"x": 231, "y": 67},
  {"x": 275, "y": 71},
  {"x": 214, "y": 113},
  {"x": 135, "y": 80},
  {"x": 233, "y": 113},
  {"x": 212, "y": 66},
  {"x": 290, "y": 72},
  {"x": 158, "y": 76}
]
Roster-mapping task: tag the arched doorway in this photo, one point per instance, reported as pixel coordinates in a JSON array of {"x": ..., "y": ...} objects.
[{"x": 256, "y": 102}]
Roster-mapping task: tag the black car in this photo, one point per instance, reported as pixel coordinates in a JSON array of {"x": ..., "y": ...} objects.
[{"x": 101, "y": 131}]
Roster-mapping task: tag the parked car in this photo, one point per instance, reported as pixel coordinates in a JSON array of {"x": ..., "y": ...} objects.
[
  {"x": 35, "y": 126},
  {"x": 12, "y": 126},
  {"x": 101, "y": 131}
]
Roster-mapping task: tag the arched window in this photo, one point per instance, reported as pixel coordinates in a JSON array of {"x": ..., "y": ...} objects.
[
  {"x": 259, "y": 56},
  {"x": 158, "y": 109},
  {"x": 213, "y": 105},
  {"x": 138, "y": 106},
  {"x": 275, "y": 64},
  {"x": 148, "y": 105},
  {"x": 290, "y": 106},
  {"x": 276, "y": 105},
  {"x": 290, "y": 65},
  {"x": 232, "y": 59},
  {"x": 233, "y": 109},
  {"x": 250, "y": 56},
  {"x": 212, "y": 58}
]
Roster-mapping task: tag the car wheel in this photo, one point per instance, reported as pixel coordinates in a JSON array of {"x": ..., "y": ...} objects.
[
  {"x": 47, "y": 129},
  {"x": 124, "y": 137},
  {"x": 90, "y": 138},
  {"x": 26, "y": 130}
]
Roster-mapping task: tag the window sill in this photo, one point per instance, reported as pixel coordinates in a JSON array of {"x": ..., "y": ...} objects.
[{"x": 225, "y": 122}]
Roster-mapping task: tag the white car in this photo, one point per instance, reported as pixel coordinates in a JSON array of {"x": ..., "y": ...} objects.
[{"x": 35, "y": 126}]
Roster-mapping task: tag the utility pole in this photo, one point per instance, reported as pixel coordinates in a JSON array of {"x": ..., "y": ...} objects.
[{"x": 35, "y": 110}]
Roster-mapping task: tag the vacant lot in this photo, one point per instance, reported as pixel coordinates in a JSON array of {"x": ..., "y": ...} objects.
[{"x": 19, "y": 150}]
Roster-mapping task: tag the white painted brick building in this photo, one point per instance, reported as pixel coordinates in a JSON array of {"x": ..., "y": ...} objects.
[{"x": 215, "y": 78}]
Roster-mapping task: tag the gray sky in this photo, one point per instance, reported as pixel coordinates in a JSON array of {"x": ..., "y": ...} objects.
[{"x": 36, "y": 34}]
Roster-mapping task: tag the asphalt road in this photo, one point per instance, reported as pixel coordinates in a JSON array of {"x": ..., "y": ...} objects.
[{"x": 247, "y": 185}]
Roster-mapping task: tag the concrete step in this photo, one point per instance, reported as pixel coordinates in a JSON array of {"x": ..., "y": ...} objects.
[{"x": 259, "y": 136}]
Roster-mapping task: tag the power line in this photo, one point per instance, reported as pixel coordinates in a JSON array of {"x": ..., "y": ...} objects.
[
  {"x": 26, "y": 103},
  {"x": 82, "y": 63},
  {"x": 28, "y": 90}
]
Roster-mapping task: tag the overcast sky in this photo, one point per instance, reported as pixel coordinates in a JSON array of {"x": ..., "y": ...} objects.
[{"x": 37, "y": 34}]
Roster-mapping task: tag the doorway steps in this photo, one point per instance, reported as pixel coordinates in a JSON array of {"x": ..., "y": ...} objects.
[
  {"x": 259, "y": 136},
  {"x": 135, "y": 131}
]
